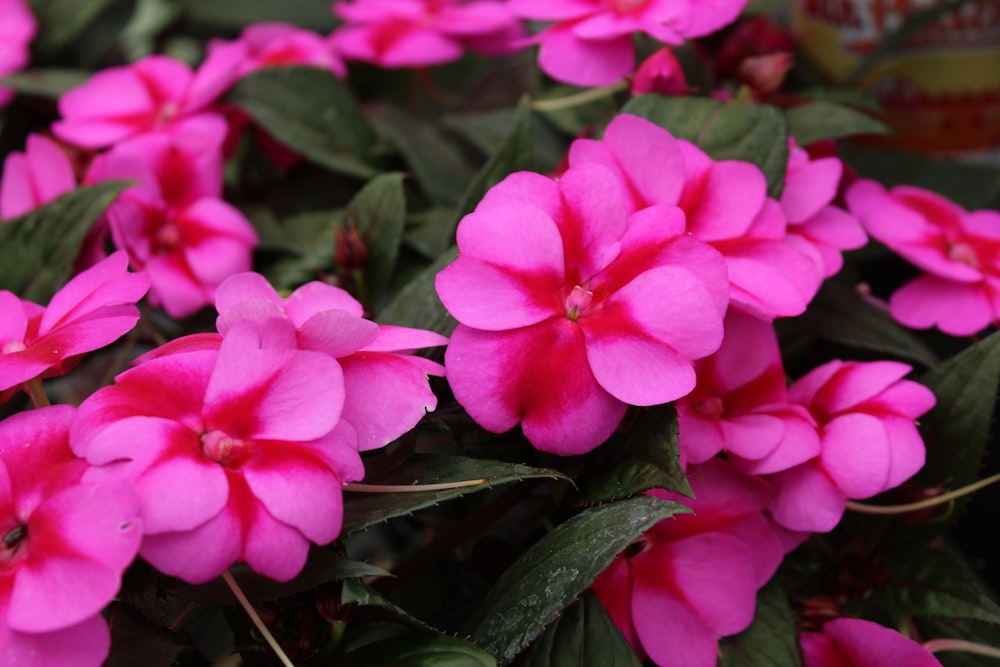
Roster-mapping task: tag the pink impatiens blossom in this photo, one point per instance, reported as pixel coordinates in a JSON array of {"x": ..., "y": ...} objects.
[
  {"x": 236, "y": 453},
  {"x": 278, "y": 44},
  {"x": 869, "y": 442},
  {"x": 17, "y": 29},
  {"x": 958, "y": 250},
  {"x": 813, "y": 221},
  {"x": 693, "y": 579},
  {"x": 418, "y": 33},
  {"x": 740, "y": 404},
  {"x": 153, "y": 94},
  {"x": 65, "y": 544},
  {"x": 590, "y": 41},
  {"x": 725, "y": 204},
  {"x": 35, "y": 177},
  {"x": 173, "y": 223},
  {"x": 92, "y": 310},
  {"x": 852, "y": 642},
  {"x": 660, "y": 73},
  {"x": 385, "y": 389},
  {"x": 570, "y": 309}
]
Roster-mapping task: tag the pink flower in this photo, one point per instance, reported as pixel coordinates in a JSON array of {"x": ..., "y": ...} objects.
[
  {"x": 278, "y": 44},
  {"x": 869, "y": 441},
  {"x": 35, "y": 177},
  {"x": 590, "y": 43},
  {"x": 740, "y": 404},
  {"x": 758, "y": 36},
  {"x": 725, "y": 205},
  {"x": 236, "y": 453},
  {"x": 64, "y": 545},
  {"x": 173, "y": 223},
  {"x": 417, "y": 33},
  {"x": 570, "y": 309},
  {"x": 153, "y": 94},
  {"x": 852, "y": 642},
  {"x": 958, "y": 250},
  {"x": 693, "y": 579},
  {"x": 17, "y": 29},
  {"x": 385, "y": 389},
  {"x": 92, "y": 310},
  {"x": 814, "y": 223},
  {"x": 660, "y": 73}
]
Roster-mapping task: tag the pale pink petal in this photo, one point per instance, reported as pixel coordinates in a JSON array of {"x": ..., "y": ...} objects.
[
  {"x": 804, "y": 390},
  {"x": 958, "y": 309},
  {"x": 800, "y": 443},
  {"x": 415, "y": 46},
  {"x": 197, "y": 555},
  {"x": 242, "y": 287},
  {"x": 51, "y": 171},
  {"x": 908, "y": 452},
  {"x": 273, "y": 548},
  {"x": 336, "y": 333},
  {"x": 707, "y": 16},
  {"x": 113, "y": 104},
  {"x": 605, "y": 25},
  {"x": 806, "y": 499},
  {"x": 700, "y": 438},
  {"x": 525, "y": 186},
  {"x": 905, "y": 398},
  {"x": 722, "y": 204},
  {"x": 835, "y": 227},
  {"x": 474, "y": 18},
  {"x": 567, "y": 58},
  {"x": 857, "y": 382},
  {"x": 538, "y": 375},
  {"x": 17, "y": 196},
  {"x": 753, "y": 436},
  {"x": 856, "y": 455},
  {"x": 85, "y": 644},
  {"x": 316, "y": 297},
  {"x": 770, "y": 279},
  {"x": 809, "y": 188},
  {"x": 404, "y": 339}
]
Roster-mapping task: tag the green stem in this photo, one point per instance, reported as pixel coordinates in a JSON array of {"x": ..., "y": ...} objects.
[
  {"x": 252, "y": 613},
  {"x": 923, "y": 504},
  {"x": 938, "y": 645},
  {"x": 37, "y": 392},
  {"x": 578, "y": 99},
  {"x": 410, "y": 488}
]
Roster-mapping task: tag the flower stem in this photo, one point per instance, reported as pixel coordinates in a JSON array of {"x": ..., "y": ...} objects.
[
  {"x": 923, "y": 504},
  {"x": 252, "y": 613},
  {"x": 37, "y": 392},
  {"x": 409, "y": 488},
  {"x": 938, "y": 645},
  {"x": 578, "y": 99}
]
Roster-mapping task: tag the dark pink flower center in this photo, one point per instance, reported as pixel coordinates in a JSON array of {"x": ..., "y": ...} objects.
[
  {"x": 167, "y": 112},
  {"x": 964, "y": 254},
  {"x": 625, "y": 6},
  {"x": 224, "y": 449},
  {"x": 578, "y": 302},
  {"x": 12, "y": 543},
  {"x": 710, "y": 407},
  {"x": 166, "y": 239},
  {"x": 12, "y": 346}
]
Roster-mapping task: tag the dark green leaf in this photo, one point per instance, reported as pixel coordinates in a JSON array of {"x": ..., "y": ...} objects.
[
  {"x": 52, "y": 82},
  {"x": 583, "y": 636},
  {"x": 815, "y": 121},
  {"x": 136, "y": 643},
  {"x": 936, "y": 581},
  {"x": 841, "y": 315},
  {"x": 361, "y": 510},
  {"x": 417, "y": 305},
  {"x": 725, "y": 130},
  {"x": 641, "y": 458},
  {"x": 977, "y": 632},
  {"x": 354, "y": 592},
  {"x": 47, "y": 240},
  {"x": 438, "y": 166},
  {"x": 378, "y": 213},
  {"x": 556, "y": 569},
  {"x": 312, "y": 14},
  {"x": 312, "y": 112},
  {"x": 61, "y": 21},
  {"x": 514, "y": 153},
  {"x": 852, "y": 97},
  {"x": 432, "y": 231},
  {"x": 957, "y": 430},
  {"x": 311, "y": 240},
  {"x": 772, "y": 640},
  {"x": 398, "y": 646},
  {"x": 322, "y": 566},
  {"x": 579, "y": 116}
]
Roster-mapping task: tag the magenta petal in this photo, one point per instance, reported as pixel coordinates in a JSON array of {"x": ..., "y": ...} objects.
[
  {"x": 958, "y": 309},
  {"x": 856, "y": 454},
  {"x": 50, "y": 168},
  {"x": 595, "y": 219},
  {"x": 868, "y": 644},
  {"x": 753, "y": 436},
  {"x": 180, "y": 493},
  {"x": 525, "y": 186},
  {"x": 858, "y": 382},
  {"x": 649, "y": 155},
  {"x": 799, "y": 444},
  {"x": 197, "y": 555},
  {"x": 336, "y": 333},
  {"x": 85, "y": 644},
  {"x": 538, "y": 375},
  {"x": 700, "y": 438},
  {"x": 717, "y": 579},
  {"x": 274, "y": 549},
  {"x": 907, "y": 448},
  {"x": 613, "y": 587},
  {"x": 315, "y": 297},
  {"x": 809, "y": 188},
  {"x": 242, "y": 287},
  {"x": 404, "y": 339},
  {"x": 806, "y": 499},
  {"x": 567, "y": 58},
  {"x": 17, "y": 195},
  {"x": 726, "y": 201},
  {"x": 771, "y": 278},
  {"x": 72, "y": 588}
]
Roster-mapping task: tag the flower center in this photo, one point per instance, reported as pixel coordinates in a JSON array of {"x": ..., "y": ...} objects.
[
  {"x": 710, "y": 407},
  {"x": 624, "y": 6},
  {"x": 12, "y": 543},
  {"x": 224, "y": 449},
  {"x": 578, "y": 302},
  {"x": 167, "y": 113},
  {"x": 964, "y": 254},
  {"x": 166, "y": 239},
  {"x": 12, "y": 346}
]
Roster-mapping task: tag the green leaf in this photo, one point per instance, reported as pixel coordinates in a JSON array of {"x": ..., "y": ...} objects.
[
  {"x": 61, "y": 21},
  {"x": 840, "y": 315},
  {"x": 396, "y": 646},
  {"x": 50, "y": 82},
  {"x": 417, "y": 305},
  {"x": 378, "y": 213},
  {"x": 815, "y": 121},
  {"x": 957, "y": 430},
  {"x": 312, "y": 112},
  {"x": 646, "y": 456},
  {"x": 311, "y": 240},
  {"x": 556, "y": 569},
  {"x": 514, "y": 153},
  {"x": 46, "y": 241},
  {"x": 354, "y": 592},
  {"x": 364, "y": 509},
  {"x": 322, "y": 566},
  {"x": 977, "y": 632},
  {"x": 583, "y": 636},
  {"x": 311, "y": 14},
  {"x": 136, "y": 643},
  {"x": 772, "y": 640},
  {"x": 725, "y": 130},
  {"x": 432, "y": 231},
  {"x": 936, "y": 581},
  {"x": 438, "y": 166}
]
